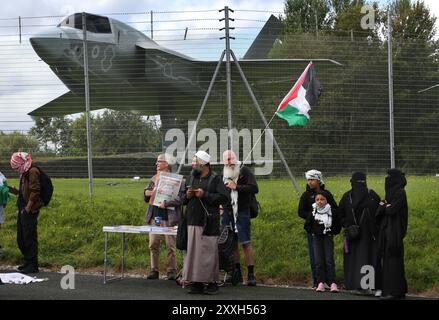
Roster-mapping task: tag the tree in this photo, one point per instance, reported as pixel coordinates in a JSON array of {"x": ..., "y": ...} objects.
[
  {"x": 51, "y": 132},
  {"x": 16, "y": 141},
  {"x": 302, "y": 16},
  {"x": 119, "y": 132}
]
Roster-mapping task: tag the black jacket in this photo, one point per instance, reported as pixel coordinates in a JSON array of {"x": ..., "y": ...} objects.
[
  {"x": 305, "y": 206},
  {"x": 215, "y": 194},
  {"x": 246, "y": 185}
]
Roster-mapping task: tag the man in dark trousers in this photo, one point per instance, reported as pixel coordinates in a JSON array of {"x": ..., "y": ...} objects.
[
  {"x": 29, "y": 203},
  {"x": 315, "y": 184},
  {"x": 241, "y": 183}
]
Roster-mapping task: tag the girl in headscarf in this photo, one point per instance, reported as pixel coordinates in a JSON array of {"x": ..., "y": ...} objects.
[
  {"x": 393, "y": 217},
  {"x": 358, "y": 207}
]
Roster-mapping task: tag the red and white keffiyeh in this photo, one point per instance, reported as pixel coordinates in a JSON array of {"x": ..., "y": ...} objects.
[{"x": 21, "y": 162}]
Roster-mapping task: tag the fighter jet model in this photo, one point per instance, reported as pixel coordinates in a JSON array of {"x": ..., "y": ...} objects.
[{"x": 129, "y": 71}]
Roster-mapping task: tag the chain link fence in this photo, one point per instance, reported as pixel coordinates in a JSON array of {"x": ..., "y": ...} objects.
[{"x": 164, "y": 81}]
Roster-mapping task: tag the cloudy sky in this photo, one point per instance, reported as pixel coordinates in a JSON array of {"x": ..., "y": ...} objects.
[{"x": 21, "y": 72}]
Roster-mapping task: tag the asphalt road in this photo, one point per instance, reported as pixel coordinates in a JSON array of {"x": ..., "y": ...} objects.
[{"x": 91, "y": 287}]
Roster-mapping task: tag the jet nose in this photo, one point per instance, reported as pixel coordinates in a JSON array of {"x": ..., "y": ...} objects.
[
  {"x": 49, "y": 46},
  {"x": 48, "y": 49}
]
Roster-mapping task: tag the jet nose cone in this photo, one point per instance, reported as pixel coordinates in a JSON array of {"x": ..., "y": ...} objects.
[{"x": 49, "y": 48}]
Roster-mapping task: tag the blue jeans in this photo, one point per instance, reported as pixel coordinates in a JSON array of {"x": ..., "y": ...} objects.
[
  {"x": 243, "y": 225},
  {"x": 312, "y": 259},
  {"x": 324, "y": 258}
]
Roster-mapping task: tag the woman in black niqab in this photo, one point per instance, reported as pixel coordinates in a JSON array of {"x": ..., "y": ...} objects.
[{"x": 393, "y": 216}]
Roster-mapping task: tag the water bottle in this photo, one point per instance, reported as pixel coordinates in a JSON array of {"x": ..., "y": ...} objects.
[{"x": 158, "y": 221}]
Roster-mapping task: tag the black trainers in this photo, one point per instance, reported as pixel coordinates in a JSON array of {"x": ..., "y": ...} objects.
[
  {"x": 22, "y": 266},
  {"x": 171, "y": 276},
  {"x": 30, "y": 269},
  {"x": 236, "y": 276},
  {"x": 212, "y": 288},
  {"x": 153, "y": 275},
  {"x": 251, "y": 280},
  {"x": 196, "y": 288}
]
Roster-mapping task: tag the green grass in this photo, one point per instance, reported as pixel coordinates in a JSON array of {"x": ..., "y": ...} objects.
[{"x": 70, "y": 229}]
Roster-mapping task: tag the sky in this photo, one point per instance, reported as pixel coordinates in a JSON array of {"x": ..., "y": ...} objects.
[{"x": 19, "y": 89}]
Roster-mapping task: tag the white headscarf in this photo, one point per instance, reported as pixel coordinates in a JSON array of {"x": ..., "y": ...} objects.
[{"x": 314, "y": 175}]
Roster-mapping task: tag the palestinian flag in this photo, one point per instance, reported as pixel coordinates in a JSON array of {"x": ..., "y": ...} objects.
[{"x": 295, "y": 106}]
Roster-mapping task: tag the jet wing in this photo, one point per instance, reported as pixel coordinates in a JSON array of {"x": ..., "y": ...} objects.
[{"x": 67, "y": 103}]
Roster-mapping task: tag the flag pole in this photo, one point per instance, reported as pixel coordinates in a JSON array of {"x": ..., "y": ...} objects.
[{"x": 257, "y": 141}]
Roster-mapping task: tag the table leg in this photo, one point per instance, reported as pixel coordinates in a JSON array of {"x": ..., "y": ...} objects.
[
  {"x": 123, "y": 252},
  {"x": 105, "y": 258}
]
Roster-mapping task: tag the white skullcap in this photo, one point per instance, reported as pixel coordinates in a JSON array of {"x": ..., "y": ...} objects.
[
  {"x": 203, "y": 156},
  {"x": 314, "y": 175}
]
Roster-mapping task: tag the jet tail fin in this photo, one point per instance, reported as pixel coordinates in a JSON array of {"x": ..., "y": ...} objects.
[{"x": 265, "y": 40}]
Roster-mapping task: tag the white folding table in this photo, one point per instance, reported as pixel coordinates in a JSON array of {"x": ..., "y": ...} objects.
[{"x": 130, "y": 229}]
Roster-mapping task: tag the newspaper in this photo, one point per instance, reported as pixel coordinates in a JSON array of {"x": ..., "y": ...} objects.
[
  {"x": 167, "y": 188},
  {"x": 18, "y": 278}
]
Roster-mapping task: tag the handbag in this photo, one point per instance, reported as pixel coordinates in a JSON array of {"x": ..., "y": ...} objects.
[
  {"x": 182, "y": 237},
  {"x": 353, "y": 231}
]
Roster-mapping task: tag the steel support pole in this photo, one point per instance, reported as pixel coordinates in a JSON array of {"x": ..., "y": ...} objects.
[
  {"x": 261, "y": 114},
  {"x": 390, "y": 62},
  {"x": 200, "y": 113},
  {"x": 87, "y": 105}
]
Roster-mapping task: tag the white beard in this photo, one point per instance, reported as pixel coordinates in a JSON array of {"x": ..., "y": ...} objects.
[{"x": 231, "y": 173}]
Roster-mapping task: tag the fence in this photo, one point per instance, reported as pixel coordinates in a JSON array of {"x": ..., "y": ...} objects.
[{"x": 348, "y": 130}]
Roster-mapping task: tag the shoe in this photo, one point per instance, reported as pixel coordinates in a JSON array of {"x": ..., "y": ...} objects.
[
  {"x": 22, "y": 266},
  {"x": 171, "y": 276},
  {"x": 153, "y": 275},
  {"x": 237, "y": 276},
  {"x": 334, "y": 287},
  {"x": 378, "y": 293},
  {"x": 320, "y": 287},
  {"x": 251, "y": 280},
  {"x": 196, "y": 288},
  {"x": 212, "y": 288},
  {"x": 401, "y": 297},
  {"x": 30, "y": 269}
]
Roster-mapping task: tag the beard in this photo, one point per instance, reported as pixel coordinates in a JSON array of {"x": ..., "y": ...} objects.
[{"x": 231, "y": 172}]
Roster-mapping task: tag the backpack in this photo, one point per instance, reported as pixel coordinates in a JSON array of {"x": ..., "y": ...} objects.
[
  {"x": 255, "y": 206},
  {"x": 46, "y": 187}
]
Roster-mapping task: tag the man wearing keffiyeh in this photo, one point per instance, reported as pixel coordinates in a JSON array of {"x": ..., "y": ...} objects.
[{"x": 29, "y": 203}]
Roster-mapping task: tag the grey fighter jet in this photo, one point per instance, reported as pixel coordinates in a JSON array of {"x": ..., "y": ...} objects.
[{"x": 128, "y": 71}]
